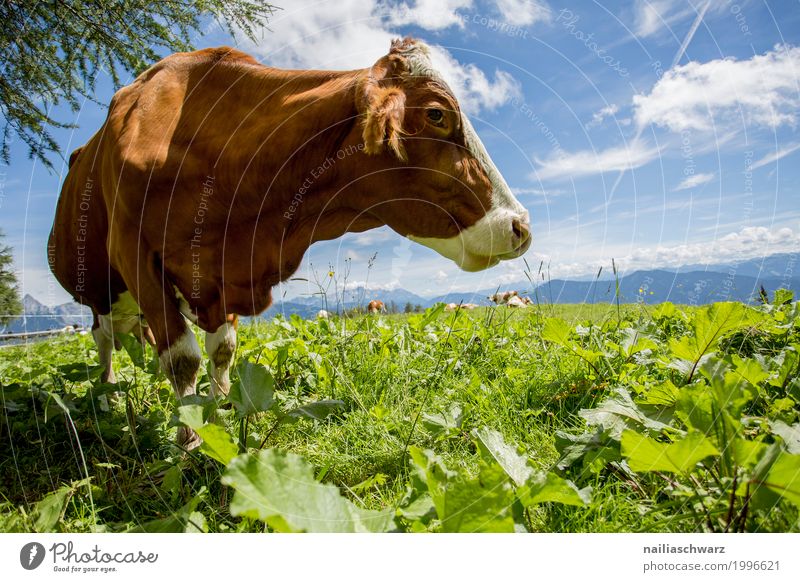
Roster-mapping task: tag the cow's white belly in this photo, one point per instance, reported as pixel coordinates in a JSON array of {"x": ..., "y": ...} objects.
[{"x": 124, "y": 317}]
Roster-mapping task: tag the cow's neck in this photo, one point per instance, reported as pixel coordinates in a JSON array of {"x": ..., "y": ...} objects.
[{"x": 311, "y": 198}]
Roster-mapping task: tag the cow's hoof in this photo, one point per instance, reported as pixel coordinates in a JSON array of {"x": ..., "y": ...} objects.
[{"x": 188, "y": 439}]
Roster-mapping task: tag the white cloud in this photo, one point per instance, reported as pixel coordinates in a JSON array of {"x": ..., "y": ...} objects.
[
  {"x": 369, "y": 285},
  {"x": 440, "y": 276},
  {"x": 524, "y": 12},
  {"x": 632, "y": 155},
  {"x": 597, "y": 118},
  {"x": 352, "y": 34},
  {"x": 749, "y": 242},
  {"x": 429, "y": 14},
  {"x": 761, "y": 91},
  {"x": 775, "y": 156},
  {"x": 474, "y": 90},
  {"x": 695, "y": 180}
]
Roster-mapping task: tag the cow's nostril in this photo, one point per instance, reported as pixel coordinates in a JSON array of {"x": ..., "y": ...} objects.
[{"x": 520, "y": 229}]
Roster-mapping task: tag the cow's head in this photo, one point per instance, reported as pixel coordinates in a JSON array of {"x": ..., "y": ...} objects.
[{"x": 435, "y": 182}]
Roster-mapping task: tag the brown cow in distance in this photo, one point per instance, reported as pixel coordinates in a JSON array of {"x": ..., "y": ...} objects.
[
  {"x": 213, "y": 174},
  {"x": 376, "y": 306}
]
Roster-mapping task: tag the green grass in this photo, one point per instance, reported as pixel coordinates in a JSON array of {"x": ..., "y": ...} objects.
[{"x": 82, "y": 456}]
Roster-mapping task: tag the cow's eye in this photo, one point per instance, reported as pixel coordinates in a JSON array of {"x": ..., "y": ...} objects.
[{"x": 435, "y": 116}]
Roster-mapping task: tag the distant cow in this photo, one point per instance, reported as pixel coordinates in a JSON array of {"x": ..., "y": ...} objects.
[
  {"x": 517, "y": 301},
  {"x": 322, "y": 314},
  {"x": 213, "y": 174},
  {"x": 455, "y": 306},
  {"x": 376, "y": 306},
  {"x": 502, "y": 297}
]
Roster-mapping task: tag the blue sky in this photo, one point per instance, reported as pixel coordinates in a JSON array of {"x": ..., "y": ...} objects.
[{"x": 659, "y": 133}]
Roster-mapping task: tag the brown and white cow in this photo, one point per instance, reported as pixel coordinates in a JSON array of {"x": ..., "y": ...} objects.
[
  {"x": 502, "y": 297},
  {"x": 376, "y": 306},
  {"x": 213, "y": 174}
]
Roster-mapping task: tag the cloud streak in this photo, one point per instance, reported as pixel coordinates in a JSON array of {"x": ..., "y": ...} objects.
[
  {"x": 695, "y": 180},
  {"x": 775, "y": 156},
  {"x": 634, "y": 154}
]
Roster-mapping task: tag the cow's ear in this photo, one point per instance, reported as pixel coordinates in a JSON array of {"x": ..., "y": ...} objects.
[{"x": 382, "y": 102}]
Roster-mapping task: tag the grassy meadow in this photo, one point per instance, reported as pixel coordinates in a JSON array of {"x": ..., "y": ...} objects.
[{"x": 564, "y": 418}]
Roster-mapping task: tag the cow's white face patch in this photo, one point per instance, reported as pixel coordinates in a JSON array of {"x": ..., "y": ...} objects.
[{"x": 493, "y": 237}]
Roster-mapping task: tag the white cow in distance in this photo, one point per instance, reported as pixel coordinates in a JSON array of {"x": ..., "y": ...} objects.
[{"x": 502, "y": 297}]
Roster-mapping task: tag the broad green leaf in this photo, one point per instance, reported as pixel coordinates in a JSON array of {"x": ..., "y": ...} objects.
[
  {"x": 784, "y": 477},
  {"x": 782, "y": 408},
  {"x": 708, "y": 325},
  {"x": 618, "y": 412},
  {"x": 595, "y": 449},
  {"x": 634, "y": 341},
  {"x": 183, "y": 520},
  {"x": 66, "y": 406},
  {"x": 431, "y": 314},
  {"x": 253, "y": 390},
  {"x": 789, "y": 434},
  {"x": 782, "y": 296},
  {"x": 445, "y": 422},
  {"x": 686, "y": 367},
  {"x": 196, "y": 523},
  {"x": 763, "y": 497},
  {"x": 747, "y": 453},
  {"x": 217, "y": 443},
  {"x": 549, "y": 487},
  {"x": 479, "y": 504},
  {"x": 665, "y": 310},
  {"x": 50, "y": 509},
  {"x": 663, "y": 394},
  {"x": 191, "y": 415},
  {"x": 696, "y": 408},
  {"x": 557, "y": 331},
  {"x": 134, "y": 348},
  {"x": 646, "y": 454},
  {"x": 464, "y": 503},
  {"x": 431, "y": 473},
  {"x": 749, "y": 370},
  {"x": 279, "y": 489},
  {"x": 730, "y": 390},
  {"x": 418, "y": 509},
  {"x": 79, "y": 372},
  {"x": 777, "y": 475},
  {"x": 789, "y": 361},
  {"x": 515, "y": 465}
]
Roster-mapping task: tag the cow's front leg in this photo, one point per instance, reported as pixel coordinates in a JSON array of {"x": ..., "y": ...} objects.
[
  {"x": 220, "y": 347},
  {"x": 105, "y": 348},
  {"x": 181, "y": 361},
  {"x": 178, "y": 351}
]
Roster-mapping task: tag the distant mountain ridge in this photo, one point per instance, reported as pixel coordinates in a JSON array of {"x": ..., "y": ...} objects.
[
  {"x": 692, "y": 285},
  {"x": 40, "y": 317}
]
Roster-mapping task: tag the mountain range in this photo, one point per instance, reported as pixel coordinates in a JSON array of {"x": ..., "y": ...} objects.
[{"x": 688, "y": 285}]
